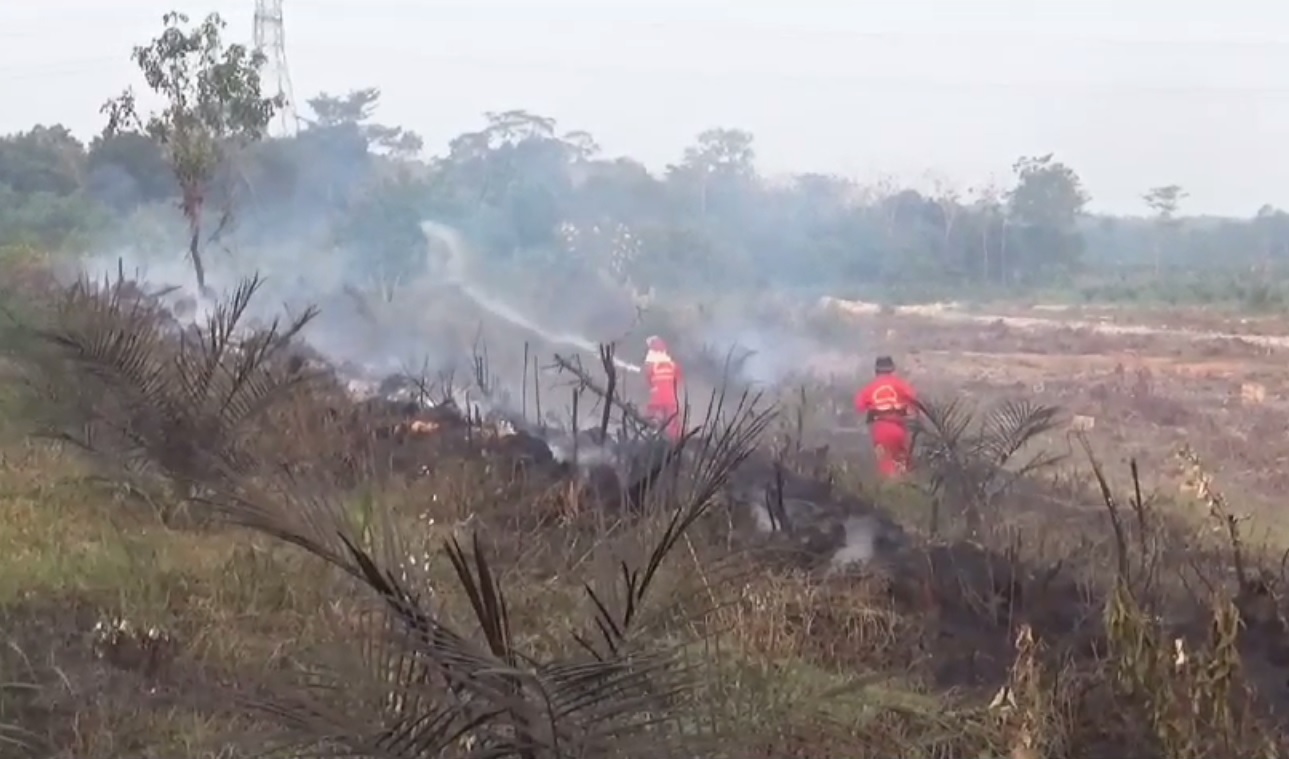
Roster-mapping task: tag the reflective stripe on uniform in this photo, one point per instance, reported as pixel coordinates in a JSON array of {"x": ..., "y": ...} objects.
[{"x": 887, "y": 398}]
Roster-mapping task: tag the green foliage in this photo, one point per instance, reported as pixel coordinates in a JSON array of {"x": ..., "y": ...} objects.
[
  {"x": 383, "y": 234},
  {"x": 45, "y": 159},
  {"x": 48, "y": 221},
  {"x": 214, "y": 106},
  {"x": 212, "y": 90},
  {"x": 521, "y": 190},
  {"x": 43, "y": 201},
  {"x": 972, "y": 457}
]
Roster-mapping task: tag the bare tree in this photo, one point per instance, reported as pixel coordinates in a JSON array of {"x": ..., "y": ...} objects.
[
  {"x": 949, "y": 199},
  {"x": 990, "y": 200},
  {"x": 1164, "y": 202}
]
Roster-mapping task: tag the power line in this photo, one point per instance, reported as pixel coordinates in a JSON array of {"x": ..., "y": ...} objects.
[
  {"x": 870, "y": 82},
  {"x": 270, "y": 38},
  {"x": 58, "y": 69},
  {"x": 641, "y": 26},
  {"x": 866, "y": 82}
]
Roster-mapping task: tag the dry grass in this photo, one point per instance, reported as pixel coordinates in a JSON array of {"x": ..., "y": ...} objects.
[
  {"x": 1128, "y": 634},
  {"x": 795, "y": 665},
  {"x": 78, "y": 560},
  {"x": 241, "y": 616}
]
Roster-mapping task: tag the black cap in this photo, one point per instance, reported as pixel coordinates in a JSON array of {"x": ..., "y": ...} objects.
[{"x": 884, "y": 365}]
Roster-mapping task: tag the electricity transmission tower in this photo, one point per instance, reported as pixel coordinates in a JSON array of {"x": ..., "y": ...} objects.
[{"x": 270, "y": 39}]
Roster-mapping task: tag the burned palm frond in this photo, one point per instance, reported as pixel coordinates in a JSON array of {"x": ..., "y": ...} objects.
[
  {"x": 406, "y": 695},
  {"x": 409, "y": 683},
  {"x": 123, "y": 386},
  {"x": 971, "y": 457},
  {"x": 426, "y": 689},
  {"x": 710, "y": 455},
  {"x": 631, "y": 417},
  {"x": 710, "y": 450},
  {"x": 418, "y": 686}
]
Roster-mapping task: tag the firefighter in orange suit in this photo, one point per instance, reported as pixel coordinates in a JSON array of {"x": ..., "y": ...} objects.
[
  {"x": 887, "y": 404},
  {"x": 665, "y": 379}
]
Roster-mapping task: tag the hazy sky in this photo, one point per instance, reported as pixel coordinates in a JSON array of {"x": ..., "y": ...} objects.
[{"x": 1131, "y": 93}]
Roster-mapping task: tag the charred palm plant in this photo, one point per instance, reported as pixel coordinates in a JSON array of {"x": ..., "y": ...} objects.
[
  {"x": 973, "y": 457},
  {"x": 644, "y": 473},
  {"x": 121, "y": 380},
  {"x": 412, "y": 684},
  {"x": 425, "y": 688}
]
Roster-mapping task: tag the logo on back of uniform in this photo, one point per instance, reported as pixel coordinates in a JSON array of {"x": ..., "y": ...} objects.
[{"x": 887, "y": 398}]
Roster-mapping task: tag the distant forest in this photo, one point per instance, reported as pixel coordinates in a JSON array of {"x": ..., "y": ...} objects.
[{"x": 527, "y": 191}]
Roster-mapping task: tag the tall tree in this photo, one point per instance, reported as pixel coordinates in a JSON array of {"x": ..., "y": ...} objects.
[
  {"x": 129, "y": 169},
  {"x": 992, "y": 223},
  {"x": 214, "y": 106},
  {"x": 1272, "y": 227},
  {"x": 1045, "y": 205},
  {"x": 721, "y": 162},
  {"x": 42, "y": 159},
  {"x": 1164, "y": 202},
  {"x": 517, "y": 168},
  {"x": 722, "y": 151},
  {"x": 354, "y": 111},
  {"x": 949, "y": 200}
]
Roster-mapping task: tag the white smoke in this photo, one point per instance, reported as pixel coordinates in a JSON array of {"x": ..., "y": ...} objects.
[
  {"x": 458, "y": 273},
  {"x": 860, "y": 542},
  {"x": 587, "y": 454}
]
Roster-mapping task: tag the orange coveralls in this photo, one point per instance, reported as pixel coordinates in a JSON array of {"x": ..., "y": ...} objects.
[
  {"x": 887, "y": 403},
  {"x": 664, "y": 377}
]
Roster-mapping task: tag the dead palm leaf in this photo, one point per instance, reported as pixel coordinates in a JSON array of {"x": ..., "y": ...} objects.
[
  {"x": 422, "y": 688},
  {"x": 126, "y": 387},
  {"x": 431, "y": 690}
]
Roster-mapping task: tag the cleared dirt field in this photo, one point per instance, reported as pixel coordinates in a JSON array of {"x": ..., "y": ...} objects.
[{"x": 1148, "y": 385}]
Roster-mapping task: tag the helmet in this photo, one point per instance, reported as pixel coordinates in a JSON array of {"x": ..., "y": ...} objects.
[
  {"x": 884, "y": 365},
  {"x": 655, "y": 343}
]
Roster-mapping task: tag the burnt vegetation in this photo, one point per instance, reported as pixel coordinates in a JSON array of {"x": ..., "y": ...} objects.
[
  {"x": 739, "y": 593},
  {"x": 216, "y": 543}
]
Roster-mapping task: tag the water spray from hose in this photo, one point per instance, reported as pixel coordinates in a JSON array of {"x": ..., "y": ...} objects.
[{"x": 457, "y": 275}]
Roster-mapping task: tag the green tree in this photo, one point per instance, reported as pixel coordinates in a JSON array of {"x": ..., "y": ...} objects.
[
  {"x": 46, "y": 221},
  {"x": 214, "y": 107},
  {"x": 518, "y": 177},
  {"x": 42, "y": 159},
  {"x": 715, "y": 170},
  {"x": 1045, "y": 207},
  {"x": 1164, "y": 201},
  {"x": 361, "y": 179},
  {"x": 722, "y": 152},
  {"x": 354, "y": 111},
  {"x": 989, "y": 214},
  {"x": 129, "y": 169},
  {"x": 1272, "y": 227},
  {"x": 43, "y": 204},
  {"x": 382, "y": 235}
]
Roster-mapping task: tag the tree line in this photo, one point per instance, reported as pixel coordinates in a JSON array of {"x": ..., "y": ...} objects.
[{"x": 528, "y": 192}]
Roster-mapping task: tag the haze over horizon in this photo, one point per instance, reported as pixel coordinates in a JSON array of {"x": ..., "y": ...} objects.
[{"x": 1128, "y": 95}]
